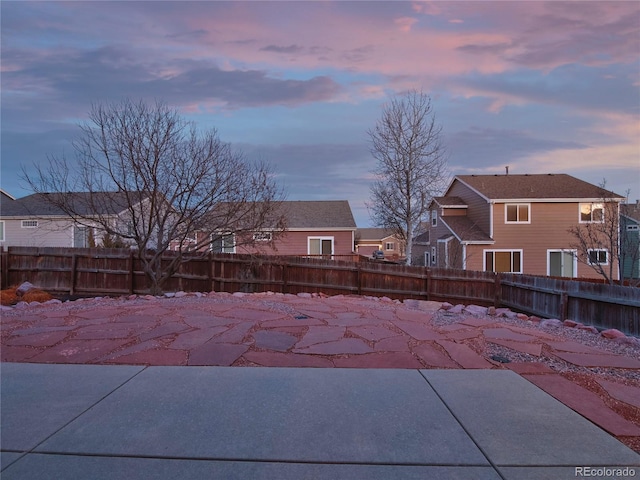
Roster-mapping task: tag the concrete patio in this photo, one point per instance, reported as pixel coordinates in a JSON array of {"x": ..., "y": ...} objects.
[{"x": 113, "y": 422}]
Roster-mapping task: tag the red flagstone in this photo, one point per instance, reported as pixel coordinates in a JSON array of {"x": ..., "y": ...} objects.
[
  {"x": 574, "y": 347},
  {"x": 234, "y": 334},
  {"x": 278, "y": 341},
  {"x": 379, "y": 360},
  {"x": 606, "y": 360},
  {"x": 292, "y": 322},
  {"x": 167, "y": 329},
  {"x": 153, "y": 357},
  {"x": 373, "y": 333},
  {"x": 413, "y": 315},
  {"x": 585, "y": 402},
  {"x": 625, "y": 393},
  {"x": 452, "y": 327},
  {"x": 463, "y": 334},
  {"x": 321, "y": 335},
  {"x": 254, "y": 315},
  {"x": 528, "y": 367},
  {"x": 339, "y": 347},
  {"x": 218, "y": 354},
  {"x": 505, "y": 334},
  {"x": 104, "y": 331},
  {"x": 463, "y": 355},
  {"x": 45, "y": 339},
  {"x": 530, "y": 348},
  {"x": 399, "y": 343},
  {"x": 105, "y": 313},
  {"x": 189, "y": 340},
  {"x": 433, "y": 357},
  {"x": 477, "y": 322},
  {"x": 417, "y": 331},
  {"x": 277, "y": 359},
  {"x": 79, "y": 351},
  {"x": 18, "y": 354}
]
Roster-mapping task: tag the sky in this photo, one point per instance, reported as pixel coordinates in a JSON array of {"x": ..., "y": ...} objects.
[{"x": 541, "y": 87}]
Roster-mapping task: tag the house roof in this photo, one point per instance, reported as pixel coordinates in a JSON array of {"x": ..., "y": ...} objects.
[
  {"x": 374, "y": 233},
  {"x": 631, "y": 210},
  {"x": 466, "y": 230},
  {"x": 452, "y": 202},
  {"x": 83, "y": 203},
  {"x": 423, "y": 238},
  {"x": 535, "y": 186},
  {"x": 318, "y": 214}
]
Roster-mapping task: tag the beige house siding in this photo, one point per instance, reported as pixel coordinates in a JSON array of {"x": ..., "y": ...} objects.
[
  {"x": 48, "y": 233},
  {"x": 477, "y": 206}
]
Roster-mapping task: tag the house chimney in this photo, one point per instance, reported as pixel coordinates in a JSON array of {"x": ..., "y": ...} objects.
[{"x": 507, "y": 169}]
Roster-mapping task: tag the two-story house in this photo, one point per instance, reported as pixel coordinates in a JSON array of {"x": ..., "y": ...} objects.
[
  {"x": 311, "y": 228},
  {"x": 630, "y": 240},
  {"x": 518, "y": 223}
]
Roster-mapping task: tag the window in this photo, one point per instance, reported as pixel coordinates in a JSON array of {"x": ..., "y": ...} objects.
[
  {"x": 434, "y": 218},
  {"x": 599, "y": 256},
  {"x": 517, "y": 213},
  {"x": 427, "y": 259},
  {"x": 320, "y": 246},
  {"x": 2, "y": 231},
  {"x": 591, "y": 213},
  {"x": 503, "y": 261},
  {"x": 29, "y": 224},
  {"x": 433, "y": 255},
  {"x": 389, "y": 246},
  {"x": 633, "y": 228},
  {"x": 262, "y": 236},
  {"x": 562, "y": 263},
  {"x": 80, "y": 236},
  {"x": 223, "y": 243}
]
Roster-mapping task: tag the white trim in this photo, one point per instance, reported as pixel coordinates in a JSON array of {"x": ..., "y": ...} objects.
[
  {"x": 599, "y": 205},
  {"x": 22, "y": 224},
  {"x": 574, "y": 254},
  {"x": 464, "y": 256},
  {"x": 589, "y": 250},
  {"x": 321, "y": 239},
  {"x": 491, "y": 205},
  {"x": 517, "y": 222},
  {"x": 2, "y": 231}
]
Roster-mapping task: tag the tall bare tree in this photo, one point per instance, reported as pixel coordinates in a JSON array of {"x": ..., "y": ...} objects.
[
  {"x": 166, "y": 178},
  {"x": 597, "y": 237},
  {"x": 411, "y": 168}
]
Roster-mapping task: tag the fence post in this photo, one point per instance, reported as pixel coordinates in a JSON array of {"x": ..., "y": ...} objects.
[
  {"x": 564, "y": 305},
  {"x": 222, "y": 275},
  {"x": 210, "y": 270},
  {"x": 5, "y": 269},
  {"x": 359, "y": 278},
  {"x": 285, "y": 277},
  {"x": 497, "y": 293},
  {"x": 74, "y": 260},
  {"x": 131, "y": 272},
  {"x": 428, "y": 284}
]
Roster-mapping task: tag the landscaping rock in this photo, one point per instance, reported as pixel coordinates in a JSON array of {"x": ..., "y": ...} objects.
[
  {"x": 522, "y": 316},
  {"x": 475, "y": 310},
  {"x": 633, "y": 341},
  {"x": 457, "y": 309},
  {"x": 304, "y": 295},
  {"x": 491, "y": 311},
  {"x": 24, "y": 288},
  {"x": 588, "y": 328},
  {"x": 180, "y": 294},
  {"x": 552, "y": 322},
  {"x": 446, "y": 306},
  {"x": 612, "y": 333},
  {"x": 571, "y": 323}
]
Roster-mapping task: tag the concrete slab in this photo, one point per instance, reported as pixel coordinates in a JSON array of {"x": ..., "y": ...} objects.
[
  {"x": 517, "y": 424},
  {"x": 49, "y": 467},
  {"x": 267, "y": 414},
  {"x": 7, "y": 458},
  {"x": 40, "y": 399},
  {"x": 538, "y": 473}
]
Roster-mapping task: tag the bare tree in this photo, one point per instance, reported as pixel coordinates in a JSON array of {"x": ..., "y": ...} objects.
[
  {"x": 597, "y": 236},
  {"x": 411, "y": 169},
  {"x": 164, "y": 177}
]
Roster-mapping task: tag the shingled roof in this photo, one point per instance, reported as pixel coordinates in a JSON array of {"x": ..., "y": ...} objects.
[
  {"x": 82, "y": 203},
  {"x": 538, "y": 186},
  {"x": 465, "y": 230},
  {"x": 318, "y": 214}
]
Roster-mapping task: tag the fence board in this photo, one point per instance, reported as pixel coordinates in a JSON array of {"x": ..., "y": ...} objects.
[{"x": 118, "y": 271}]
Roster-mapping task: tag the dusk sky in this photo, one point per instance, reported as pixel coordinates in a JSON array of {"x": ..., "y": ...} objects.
[{"x": 542, "y": 87}]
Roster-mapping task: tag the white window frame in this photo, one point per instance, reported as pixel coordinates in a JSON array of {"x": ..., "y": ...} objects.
[
  {"x": 434, "y": 218},
  {"x": 598, "y": 206},
  {"x": 633, "y": 228},
  {"x": 222, "y": 238},
  {"x": 517, "y": 221},
  {"x": 333, "y": 243},
  {"x": 262, "y": 236},
  {"x": 1, "y": 230},
  {"x": 434, "y": 256},
  {"x": 387, "y": 247},
  {"x": 590, "y": 250},
  {"x": 574, "y": 253},
  {"x": 494, "y": 251},
  {"x": 29, "y": 224},
  {"x": 427, "y": 259}
]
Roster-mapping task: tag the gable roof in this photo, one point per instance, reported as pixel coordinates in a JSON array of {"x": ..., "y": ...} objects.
[
  {"x": 83, "y": 203},
  {"x": 318, "y": 214},
  {"x": 630, "y": 210},
  {"x": 535, "y": 186},
  {"x": 450, "y": 202},
  {"x": 374, "y": 233},
  {"x": 465, "y": 230}
]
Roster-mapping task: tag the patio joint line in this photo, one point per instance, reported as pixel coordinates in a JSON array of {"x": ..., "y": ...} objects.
[
  {"x": 493, "y": 465},
  {"x": 84, "y": 411}
]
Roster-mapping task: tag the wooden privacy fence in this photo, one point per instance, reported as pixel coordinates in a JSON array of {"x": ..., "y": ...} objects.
[{"x": 77, "y": 271}]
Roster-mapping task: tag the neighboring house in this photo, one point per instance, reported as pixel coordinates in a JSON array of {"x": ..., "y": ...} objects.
[
  {"x": 421, "y": 250},
  {"x": 312, "y": 228},
  {"x": 33, "y": 221},
  {"x": 369, "y": 240},
  {"x": 516, "y": 223},
  {"x": 630, "y": 240}
]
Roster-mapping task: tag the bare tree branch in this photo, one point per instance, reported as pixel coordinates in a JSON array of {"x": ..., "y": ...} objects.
[
  {"x": 166, "y": 178},
  {"x": 412, "y": 166}
]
